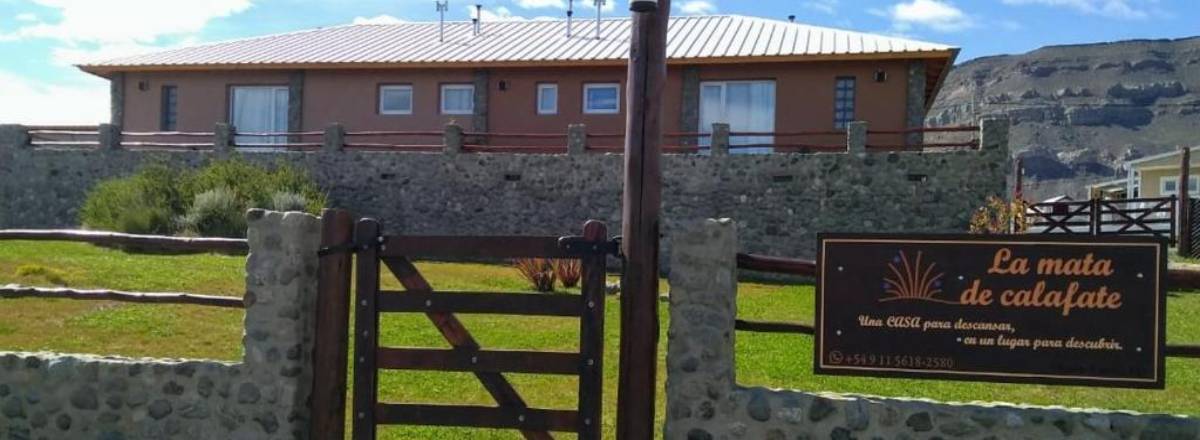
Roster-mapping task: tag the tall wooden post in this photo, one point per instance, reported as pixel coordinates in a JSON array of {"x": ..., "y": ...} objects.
[
  {"x": 1019, "y": 182},
  {"x": 640, "y": 224},
  {"x": 1184, "y": 241}
]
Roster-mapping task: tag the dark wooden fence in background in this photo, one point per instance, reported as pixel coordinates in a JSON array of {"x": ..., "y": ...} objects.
[{"x": 1138, "y": 217}]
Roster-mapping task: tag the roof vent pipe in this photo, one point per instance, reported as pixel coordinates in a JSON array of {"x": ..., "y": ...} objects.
[
  {"x": 442, "y": 6},
  {"x": 791, "y": 19},
  {"x": 570, "y": 13},
  {"x": 599, "y": 7},
  {"x": 478, "y": 18}
]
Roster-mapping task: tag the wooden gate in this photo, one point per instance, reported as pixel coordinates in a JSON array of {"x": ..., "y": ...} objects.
[
  {"x": 511, "y": 412},
  {"x": 1144, "y": 217}
]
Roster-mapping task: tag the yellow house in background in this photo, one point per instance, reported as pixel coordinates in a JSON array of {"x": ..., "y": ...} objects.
[{"x": 1152, "y": 177}]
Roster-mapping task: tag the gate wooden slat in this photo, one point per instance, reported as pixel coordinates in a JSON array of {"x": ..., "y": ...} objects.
[
  {"x": 477, "y": 417},
  {"x": 490, "y": 247},
  {"x": 591, "y": 335},
  {"x": 481, "y": 303},
  {"x": 366, "y": 331},
  {"x": 495, "y": 361},
  {"x": 458, "y": 337},
  {"x": 331, "y": 343}
]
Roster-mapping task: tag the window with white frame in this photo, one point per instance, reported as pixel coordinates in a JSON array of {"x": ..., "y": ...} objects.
[
  {"x": 747, "y": 106},
  {"x": 396, "y": 100},
  {"x": 1169, "y": 186},
  {"x": 458, "y": 99},
  {"x": 602, "y": 99},
  {"x": 843, "y": 101},
  {"x": 259, "y": 109},
  {"x": 547, "y": 99}
]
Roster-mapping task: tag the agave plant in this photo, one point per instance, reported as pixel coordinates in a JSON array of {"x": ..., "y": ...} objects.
[
  {"x": 539, "y": 272},
  {"x": 569, "y": 271}
]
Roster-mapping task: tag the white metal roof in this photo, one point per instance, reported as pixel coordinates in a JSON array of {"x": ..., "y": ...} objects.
[{"x": 729, "y": 38}]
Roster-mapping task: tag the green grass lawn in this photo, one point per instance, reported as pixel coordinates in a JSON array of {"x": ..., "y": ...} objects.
[{"x": 779, "y": 361}]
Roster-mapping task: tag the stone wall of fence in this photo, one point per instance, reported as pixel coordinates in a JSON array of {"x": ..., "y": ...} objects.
[
  {"x": 57, "y": 396},
  {"x": 782, "y": 200},
  {"x": 705, "y": 401}
]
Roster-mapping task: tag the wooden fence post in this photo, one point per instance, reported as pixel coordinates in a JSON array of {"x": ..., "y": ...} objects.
[
  {"x": 720, "y": 139},
  {"x": 452, "y": 139},
  {"x": 1184, "y": 210},
  {"x": 331, "y": 342},
  {"x": 1018, "y": 179},
  {"x": 642, "y": 204},
  {"x": 576, "y": 139},
  {"x": 223, "y": 138}
]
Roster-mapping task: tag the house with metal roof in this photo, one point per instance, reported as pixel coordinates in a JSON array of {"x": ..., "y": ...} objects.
[
  {"x": 761, "y": 76},
  {"x": 1153, "y": 176}
]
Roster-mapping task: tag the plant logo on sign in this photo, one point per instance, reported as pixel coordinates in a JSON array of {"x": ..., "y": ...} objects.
[{"x": 914, "y": 280}]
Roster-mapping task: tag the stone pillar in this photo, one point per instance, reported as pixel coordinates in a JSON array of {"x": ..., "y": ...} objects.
[
  {"x": 116, "y": 95},
  {"x": 452, "y": 139},
  {"x": 295, "y": 104},
  {"x": 993, "y": 134},
  {"x": 335, "y": 138},
  {"x": 14, "y": 136},
  {"x": 689, "y": 106},
  {"x": 720, "y": 139},
  {"x": 110, "y": 137},
  {"x": 479, "y": 120},
  {"x": 856, "y": 137},
  {"x": 915, "y": 107},
  {"x": 700, "y": 351},
  {"x": 223, "y": 139},
  {"x": 576, "y": 139},
  {"x": 281, "y": 291}
]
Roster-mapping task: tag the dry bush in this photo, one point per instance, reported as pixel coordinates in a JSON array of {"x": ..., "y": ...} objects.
[
  {"x": 569, "y": 271},
  {"x": 539, "y": 272},
  {"x": 1000, "y": 216}
]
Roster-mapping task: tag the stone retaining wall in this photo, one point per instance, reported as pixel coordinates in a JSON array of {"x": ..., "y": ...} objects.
[
  {"x": 51, "y": 396},
  {"x": 781, "y": 200},
  {"x": 704, "y": 400}
]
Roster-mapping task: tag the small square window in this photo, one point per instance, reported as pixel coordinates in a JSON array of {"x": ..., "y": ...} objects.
[
  {"x": 547, "y": 99},
  {"x": 458, "y": 99},
  {"x": 602, "y": 99},
  {"x": 395, "y": 100}
]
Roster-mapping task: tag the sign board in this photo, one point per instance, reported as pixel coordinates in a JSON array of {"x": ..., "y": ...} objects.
[{"x": 1029, "y": 309}]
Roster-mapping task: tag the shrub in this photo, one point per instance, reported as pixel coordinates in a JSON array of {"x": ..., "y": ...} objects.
[
  {"x": 288, "y": 201},
  {"x": 144, "y": 203},
  {"x": 255, "y": 186},
  {"x": 216, "y": 213},
  {"x": 539, "y": 272},
  {"x": 568, "y": 271},
  {"x": 999, "y": 216},
  {"x": 51, "y": 275}
]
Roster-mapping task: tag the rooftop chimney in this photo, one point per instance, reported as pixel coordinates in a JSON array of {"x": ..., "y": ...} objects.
[
  {"x": 478, "y": 18},
  {"x": 570, "y": 13},
  {"x": 791, "y": 19},
  {"x": 599, "y": 7}
]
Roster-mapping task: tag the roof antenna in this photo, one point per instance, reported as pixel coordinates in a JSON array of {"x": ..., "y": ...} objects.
[
  {"x": 570, "y": 13},
  {"x": 478, "y": 17},
  {"x": 599, "y": 6},
  {"x": 791, "y": 19},
  {"x": 442, "y": 6}
]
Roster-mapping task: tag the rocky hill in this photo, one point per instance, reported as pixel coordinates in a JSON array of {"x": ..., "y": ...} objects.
[{"x": 1080, "y": 111}]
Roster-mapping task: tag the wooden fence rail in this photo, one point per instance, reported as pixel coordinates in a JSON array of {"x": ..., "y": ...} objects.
[
  {"x": 1177, "y": 278},
  {"x": 14, "y": 291},
  {"x": 150, "y": 243}
]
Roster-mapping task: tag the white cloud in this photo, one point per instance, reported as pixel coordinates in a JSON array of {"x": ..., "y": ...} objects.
[
  {"x": 539, "y": 4},
  {"x": 26, "y": 17},
  {"x": 495, "y": 14},
  {"x": 126, "y": 21},
  {"x": 378, "y": 19},
  {"x": 1124, "y": 9},
  {"x": 28, "y": 102},
  {"x": 822, "y": 6},
  {"x": 941, "y": 16},
  {"x": 697, "y": 7}
]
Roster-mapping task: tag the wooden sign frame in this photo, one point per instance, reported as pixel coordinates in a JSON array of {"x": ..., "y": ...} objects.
[{"x": 881, "y": 311}]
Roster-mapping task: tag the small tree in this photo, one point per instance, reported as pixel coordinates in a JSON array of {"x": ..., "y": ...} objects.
[{"x": 999, "y": 216}]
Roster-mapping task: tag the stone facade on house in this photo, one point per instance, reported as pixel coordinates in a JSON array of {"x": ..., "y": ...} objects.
[
  {"x": 781, "y": 200},
  {"x": 265, "y": 396},
  {"x": 705, "y": 401}
]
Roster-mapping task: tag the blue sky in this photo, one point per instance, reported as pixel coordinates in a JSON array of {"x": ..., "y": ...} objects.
[{"x": 41, "y": 39}]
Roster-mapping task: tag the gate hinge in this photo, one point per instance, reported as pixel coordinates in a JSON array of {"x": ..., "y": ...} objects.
[
  {"x": 347, "y": 247},
  {"x": 578, "y": 245}
]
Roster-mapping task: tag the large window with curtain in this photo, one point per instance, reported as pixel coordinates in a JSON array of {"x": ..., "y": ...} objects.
[
  {"x": 259, "y": 109},
  {"x": 747, "y": 106}
]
